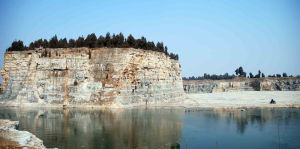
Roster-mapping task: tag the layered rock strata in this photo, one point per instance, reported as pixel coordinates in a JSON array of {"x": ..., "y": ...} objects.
[
  {"x": 103, "y": 76},
  {"x": 242, "y": 84}
]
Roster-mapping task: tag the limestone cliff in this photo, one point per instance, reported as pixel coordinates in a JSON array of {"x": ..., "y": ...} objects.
[
  {"x": 242, "y": 84},
  {"x": 102, "y": 76}
]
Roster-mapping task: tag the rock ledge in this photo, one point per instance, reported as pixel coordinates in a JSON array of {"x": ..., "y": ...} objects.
[{"x": 10, "y": 137}]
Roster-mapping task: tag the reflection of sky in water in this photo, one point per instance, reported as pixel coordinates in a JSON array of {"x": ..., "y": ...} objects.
[
  {"x": 158, "y": 128},
  {"x": 135, "y": 128},
  {"x": 256, "y": 128}
]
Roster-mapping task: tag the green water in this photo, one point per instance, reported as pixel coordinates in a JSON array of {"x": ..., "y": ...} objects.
[{"x": 160, "y": 128}]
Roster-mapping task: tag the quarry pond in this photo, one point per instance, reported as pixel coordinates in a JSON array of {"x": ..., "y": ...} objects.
[{"x": 160, "y": 128}]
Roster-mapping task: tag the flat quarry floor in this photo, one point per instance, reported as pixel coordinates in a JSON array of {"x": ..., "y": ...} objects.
[{"x": 244, "y": 99}]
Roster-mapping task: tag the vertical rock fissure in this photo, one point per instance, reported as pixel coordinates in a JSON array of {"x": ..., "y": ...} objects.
[{"x": 66, "y": 98}]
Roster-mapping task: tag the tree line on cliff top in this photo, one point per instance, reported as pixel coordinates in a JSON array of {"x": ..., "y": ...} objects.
[
  {"x": 239, "y": 72},
  {"x": 91, "y": 41}
]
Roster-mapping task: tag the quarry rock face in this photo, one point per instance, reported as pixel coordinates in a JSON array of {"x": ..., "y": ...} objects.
[
  {"x": 262, "y": 84},
  {"x": 102, "y": 76}
]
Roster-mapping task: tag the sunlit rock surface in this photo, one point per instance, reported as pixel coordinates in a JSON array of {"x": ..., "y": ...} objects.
[
  {"x": 79, "y": 76},
  {"x": 242, "y": 84},
  {"x": 12, "y": 138}
]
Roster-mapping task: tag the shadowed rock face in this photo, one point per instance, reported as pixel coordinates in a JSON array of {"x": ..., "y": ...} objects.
[
  {"x": 0, "y": 88},
  {"x": 263, "y": 84},
  {"x": 103, "y": 76}
]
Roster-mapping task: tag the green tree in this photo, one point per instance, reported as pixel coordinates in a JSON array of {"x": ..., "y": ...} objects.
[
  {"x": 17, "y": 46},
  {"x": 72, "y": 43},
  {"x": 160, "y": 46},
  {"x": 53, "y": 43},
  {"x": 240, "y": 71},
  {"x": 62, "y": 43},
  {"x": 80, "y": 42},
  {"x": 284, "y": 75},
  {"x": 91, "y": 40},
  {"x": 114, "y": 41},
  {"x": 141, "y": 43},
  {"x": 108, "y": 41},
  {"x": 176, "y": 57},
  {"x": 121, "y": 40},
  {"x": 236, "y": 72},
  {"x": 166, "y": 50},
  {"x": 31, "y": 46},
  {"x": 45, "y": 43},
  {"x": 131, "y": 41},
  {"x": 150, "y": 45},
  {"x": 38, "y": 43},
  {"x": 101, "y": 41},
  {"x": 251, "y": 75},
  {"x": 244, "y": 74}
]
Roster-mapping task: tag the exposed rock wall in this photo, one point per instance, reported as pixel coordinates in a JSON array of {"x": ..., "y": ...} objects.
[
  {"x": 262, "y": 84},
  {"x": 104, "y": 76}
]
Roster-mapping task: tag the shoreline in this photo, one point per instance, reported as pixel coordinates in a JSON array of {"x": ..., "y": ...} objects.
[{"x": 223, "y": 100}]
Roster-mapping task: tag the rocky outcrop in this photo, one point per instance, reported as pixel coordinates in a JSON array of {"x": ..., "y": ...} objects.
[
  {"x": 288, "y": 84},
  {"x": 242, "y": 84},
  {"x": 12, "y": 138},
  {"x": 78, "y": 76}
]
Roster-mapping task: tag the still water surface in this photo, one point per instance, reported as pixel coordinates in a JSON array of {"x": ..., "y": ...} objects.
[{"x": 161, "y": 128}]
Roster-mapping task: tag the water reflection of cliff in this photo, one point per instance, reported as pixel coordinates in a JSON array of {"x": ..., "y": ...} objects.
[
  {"x": 135, "y": 128},
  {"x": 257, "y": 116}
]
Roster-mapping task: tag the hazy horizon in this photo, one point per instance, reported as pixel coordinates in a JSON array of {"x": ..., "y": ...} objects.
[{"x": 211, "y": 37}]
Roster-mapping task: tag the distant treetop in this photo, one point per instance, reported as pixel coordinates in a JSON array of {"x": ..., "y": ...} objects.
[
  {"x": 91, "y": 41},
  {"x": 239, "y": 72}
]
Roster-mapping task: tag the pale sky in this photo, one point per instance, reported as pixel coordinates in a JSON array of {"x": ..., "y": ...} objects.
[{"x": 210, "y": 36}]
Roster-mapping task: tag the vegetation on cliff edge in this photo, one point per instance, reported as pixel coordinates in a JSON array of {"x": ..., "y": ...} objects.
[
  {"x": 91, "y": 41},
  {"x": 239, "y": 72}
]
